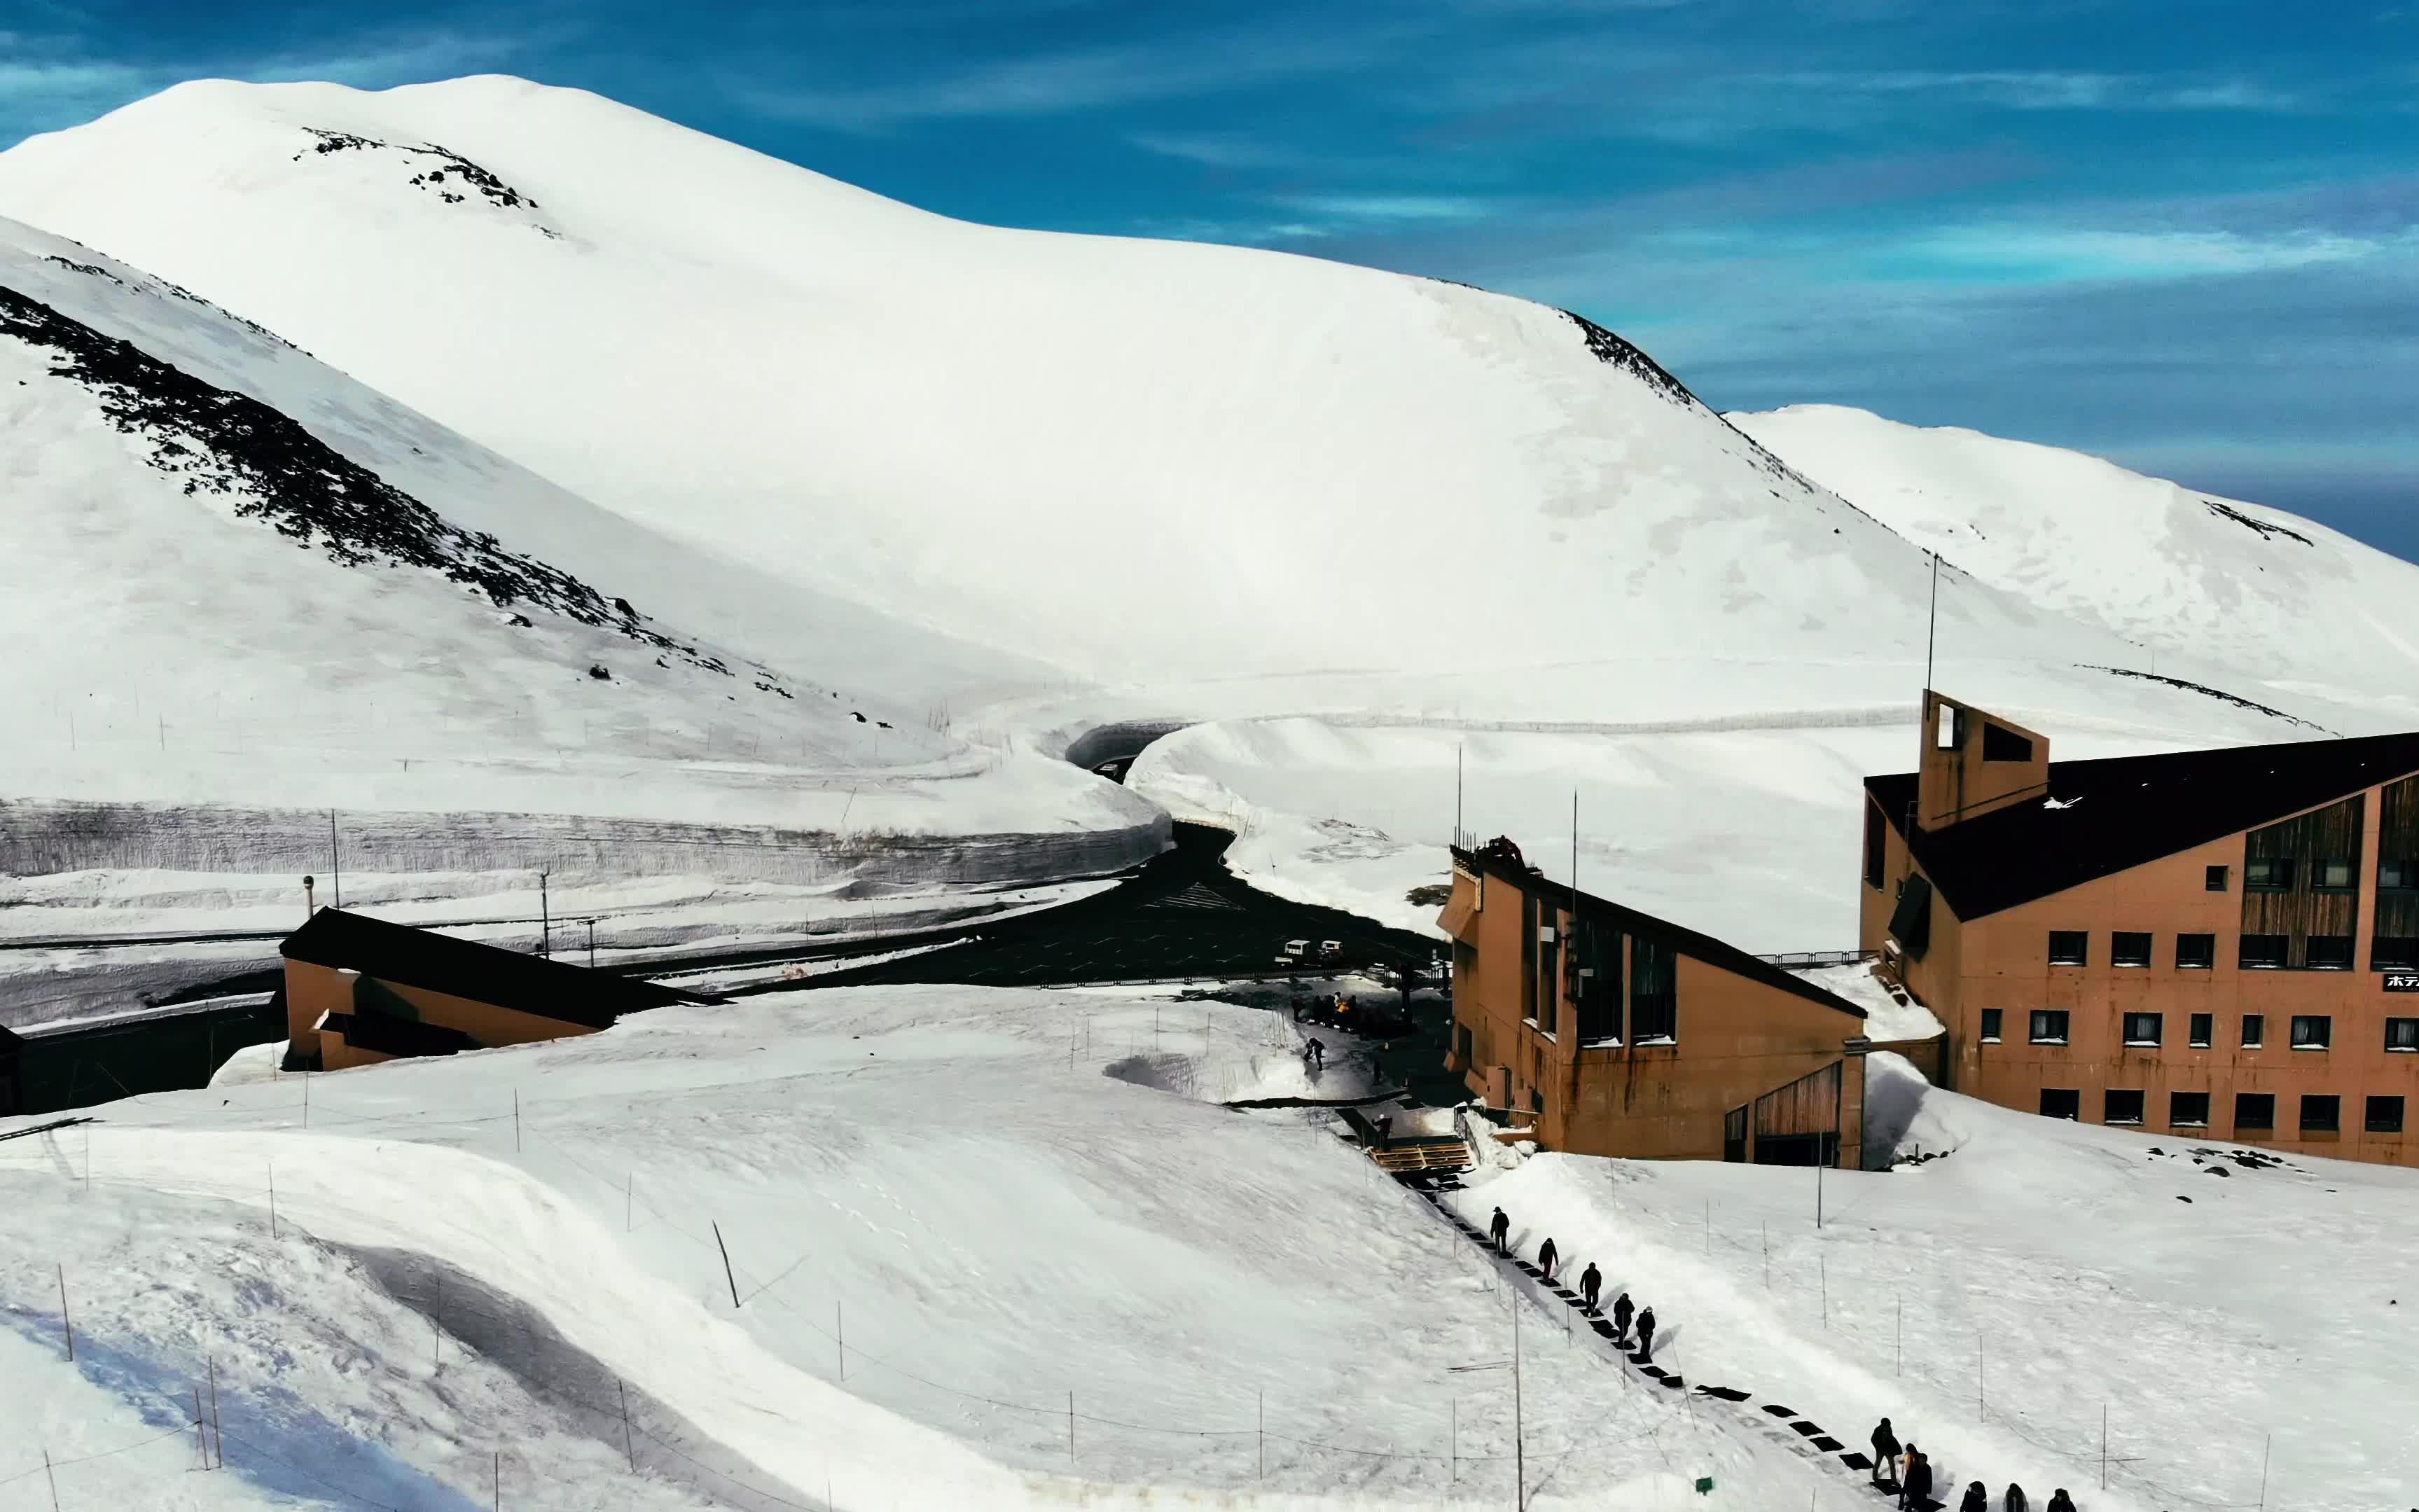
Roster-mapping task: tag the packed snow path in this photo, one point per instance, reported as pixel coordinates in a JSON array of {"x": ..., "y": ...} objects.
[{"x": 1771, "y": 1422}]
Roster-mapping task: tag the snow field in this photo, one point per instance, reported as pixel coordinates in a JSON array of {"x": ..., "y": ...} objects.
[
  {"x": 920, "y": 1173},
  {"x": 1994, "y": 1302},
  {"x": 1700, "y": 809}
]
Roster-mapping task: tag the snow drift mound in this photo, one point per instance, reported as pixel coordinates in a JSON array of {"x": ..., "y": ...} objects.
[
  {"x": 1132, "y": 458},
  {"x": 2255, "y": 588}
]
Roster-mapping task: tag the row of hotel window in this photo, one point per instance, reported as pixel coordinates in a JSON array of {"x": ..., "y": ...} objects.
[
  {"x": 2258, "y": 952},
  {"x": 2253, "y": 1112},
  {"x": 2310, "y": 1031}
]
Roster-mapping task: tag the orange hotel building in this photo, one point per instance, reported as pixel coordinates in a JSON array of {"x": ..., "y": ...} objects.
[
  {"x": 1602, "y": 1030},
  {"x": 2217, "y": 942}
]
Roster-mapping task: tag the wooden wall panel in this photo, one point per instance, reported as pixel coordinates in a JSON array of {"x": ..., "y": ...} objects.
[
  {"x": 2397, "y": 840},
  {"x": 2330, "y": 833}
]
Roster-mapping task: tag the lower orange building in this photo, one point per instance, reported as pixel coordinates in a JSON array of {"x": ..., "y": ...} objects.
[
  {"x": 360, "y": 989},
  {"x": 1610, "y": 1032}
]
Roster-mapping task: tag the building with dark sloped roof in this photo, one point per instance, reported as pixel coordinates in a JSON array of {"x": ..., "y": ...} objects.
[
  {"x": 2221, "y": 943},
  {"x": 360, "y": 990},
  {"x": 1603, "y": 1030}
]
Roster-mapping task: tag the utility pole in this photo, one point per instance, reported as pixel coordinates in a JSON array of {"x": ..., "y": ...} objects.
[
  {"x": 545, "y": 922},
  {"x": 335, "y": 860},
  {"x": 592, "y": 944}
]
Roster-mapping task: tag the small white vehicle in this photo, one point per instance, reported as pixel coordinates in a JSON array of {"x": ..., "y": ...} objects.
[{"x": 1296, "y": 950}]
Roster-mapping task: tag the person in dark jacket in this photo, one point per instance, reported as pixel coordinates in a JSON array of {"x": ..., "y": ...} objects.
[
  {"x": 1546, "y": 1258},
  {"x": 1499, "y": 1230},
  {"x": 2015, "y": 1500},
  {"x": 1646, "y": 1336},
  {"x": 1915, "y": 1490},
  {"x": 1621, "y": 1309},
  {"x": 1590, "y": 1285},
  {"x": 1885, "y": 1443},
  {"x": 1318, "y": 1053},
  {"x": 1976, "y": 1499},
  {"x": 1385, "y": 1130},
  {"x": 2060, "y": 1501}
]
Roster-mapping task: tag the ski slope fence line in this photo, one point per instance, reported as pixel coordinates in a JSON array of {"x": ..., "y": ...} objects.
[
  {"x": 43, "y": 837},
  {"x": 664, "y": 1445}
]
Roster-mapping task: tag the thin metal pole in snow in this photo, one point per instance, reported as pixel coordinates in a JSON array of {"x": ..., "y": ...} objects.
[
  {"x": 1264, "y": 1434},
  {"x": 516, "y": 1120},
  {"x": 53, "y": 1476},
  {"x": 2103, "y": 1446},
  {"x": 840, "y": 1337},
  {"x": 218, "y": 1434},
  {"x": 2265, "y": 1444},
  {"x": 726, "y": 1265},
  {"x": 1519, "y": 1465},
  {"x": 629, "y": 1446},
  {"x": 1453, "y": 1442},
  {"x": 201, "y": 1430},
  {"x": 66, "y": 1325},
  {"x": 497, "y": 1484},
  {"x": 1071, "y": 1428}
]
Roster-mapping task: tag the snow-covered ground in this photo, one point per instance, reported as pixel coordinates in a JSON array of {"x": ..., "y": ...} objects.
[
  {"x": 2229, "y": 1319},
  {"x": 973, "y": 1190}
]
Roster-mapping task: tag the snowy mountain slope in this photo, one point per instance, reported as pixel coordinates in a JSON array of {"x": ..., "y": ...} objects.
[
  {"x": 252, "y": 580},
  {"x": 2167, "y": 1282},
  {"x": 977, "y": 1198},
  {"x": 2256, "y": 589},
  {"x": 1138, "y": 460}
]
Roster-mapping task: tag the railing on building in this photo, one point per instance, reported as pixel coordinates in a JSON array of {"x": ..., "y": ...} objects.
[{"x": 1813, "y": 960}]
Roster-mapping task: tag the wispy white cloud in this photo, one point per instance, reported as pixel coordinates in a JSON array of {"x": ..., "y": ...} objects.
[
  {"x": 1385, "y": 207},
  {"x": 2050, "y": 254},
  {"x": 1216, "y": 149},
  {"x": 2053, "y": 89},
  {"x": 1050, "y": 84}
]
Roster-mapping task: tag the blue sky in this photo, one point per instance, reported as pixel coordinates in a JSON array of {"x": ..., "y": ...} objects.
[{"x": 2183, "y": 235}]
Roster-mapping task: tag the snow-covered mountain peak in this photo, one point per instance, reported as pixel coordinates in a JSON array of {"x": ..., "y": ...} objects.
[
  {"x": 1133, "y": 459},
  {"x": 2172, "y": 568}
]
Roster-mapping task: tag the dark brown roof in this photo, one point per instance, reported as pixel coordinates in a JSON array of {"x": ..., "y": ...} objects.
[
  {"x": 1688, "y": 942},
  {"x": 2127, "y": 810},
  {"x": 466, "y": 968}
]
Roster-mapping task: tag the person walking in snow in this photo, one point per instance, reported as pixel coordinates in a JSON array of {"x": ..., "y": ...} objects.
[
  {"x": 1318, "y": 1053},
  {"x": 1591, "y": 1283},
  {"x": 1499, "y": 1230},
  {"x": 2015, "y": 1500},
  {"x": 1620, "y": 1311},
  {"x": 1646, "y": 1336},
  {"x": 1915, "y": 1490},
  {"x": 1976, "y": 1499},
  {"x": 2060, "y": 1501},
  {"x": 1546, "y": 1260},
  {"x": 1885, "y": 1445}
]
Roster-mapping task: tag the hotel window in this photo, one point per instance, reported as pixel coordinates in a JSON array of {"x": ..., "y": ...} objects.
[
  {"x": 2255, "y": 1112},
  {"x": 2144, "y": 1028},
  {"x": 2069, "y": 947},
  {"x": 2322, "y": 1113},
  {"x": 1949, "y": 728},
  {"x": 2262, "y": 952},
  {"x": 2062, "y": 1102},
  {"x": 2213, "y": 878},
  {"x": 1876, "y": 843},
  {"x": 1598, "y": 989},
  {"x": 2004, "y": 745},
  {"x": 2313, "y": 1031},
  {"x": 1461, "y": 1047},
  {"x": 2400, "y": 875},
  {"x": 2195, "y": 952},
  {"x": 2188, "y": 1110},
  {"x": 2402, "y": 1034},
  {"x": 2394, "y": 952},
  {"x": 2204, "y": 1030},
  {"x": 2268, "y": 873},
  {"x": 1654, "y": 996},
  {"x": 1991, "y": 1026},
  {"x": 2327, "y": 952},
  {"x": 2121, "y": 1108},
  {"x": 1549, "y": 971},
  {"x": 2049, "y": 1025},
  {"x": 2332, "y": 874},
  {"x": 2129, "y": 947},
  {"x": 2384, "y": 1115},
  {"x": 2254, "y": 1030}
]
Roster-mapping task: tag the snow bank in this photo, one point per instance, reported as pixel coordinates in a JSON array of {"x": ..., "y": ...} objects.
[{"x": 948, "y": 1181}]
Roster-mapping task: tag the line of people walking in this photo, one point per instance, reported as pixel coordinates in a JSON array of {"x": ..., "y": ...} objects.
[
  {"x": 1906, "y": 1470},
  {"x": 1499, "y": 1233}
]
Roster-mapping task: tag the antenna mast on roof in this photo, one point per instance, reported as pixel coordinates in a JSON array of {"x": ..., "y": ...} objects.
[
  {"x": 1575, "y": 854},
  {"x": 1932, "y": 621},
  {"x": 1457, "y": 839}
]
